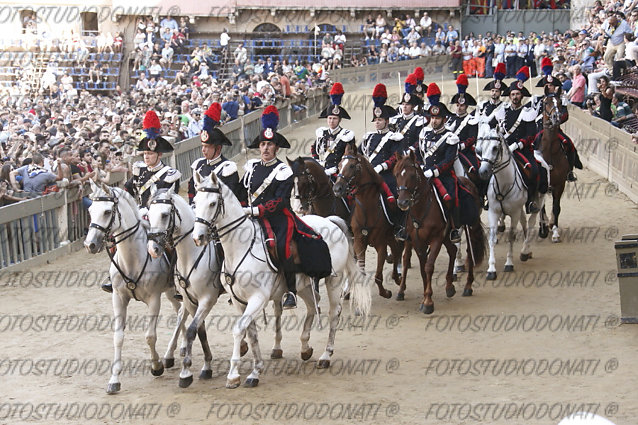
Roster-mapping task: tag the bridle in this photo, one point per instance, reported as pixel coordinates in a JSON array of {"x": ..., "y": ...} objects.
[
  {"x": 349, "y": 181},
  {"x": 166, "y": 238},
  {"x": 417, "y": 187},
  {"x": 553, "y": 115},
  {"x": 111, "y": 241}
]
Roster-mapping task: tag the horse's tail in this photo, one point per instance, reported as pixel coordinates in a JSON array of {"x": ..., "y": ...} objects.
[
  {"x": 479, "y": 241},
  {"x": 358, "y": 282}
]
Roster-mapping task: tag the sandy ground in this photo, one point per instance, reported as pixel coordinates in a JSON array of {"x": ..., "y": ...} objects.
[{"x": 529, "y": 348}]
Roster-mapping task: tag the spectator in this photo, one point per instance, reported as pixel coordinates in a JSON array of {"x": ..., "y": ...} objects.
[
  {"x": 452, "y": 35},
  {"x": 576, "y": 94},
  {"x": 456, "y": 52},
  {"x": 380, "y": 25},
  {"x": 425, "y": 24},
  {"x": 241, "y": 54},
  {"x": 615, "y": 28},
  {"x": 34, "y": 177}
]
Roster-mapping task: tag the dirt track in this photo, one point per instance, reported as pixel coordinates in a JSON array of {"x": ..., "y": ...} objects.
[{"x": 526, "y": 349}]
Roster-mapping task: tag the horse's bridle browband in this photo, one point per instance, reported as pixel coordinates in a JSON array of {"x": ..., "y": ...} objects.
[
  {"x": 349, "y": 187},
  {"x": 417, "y": 187}
]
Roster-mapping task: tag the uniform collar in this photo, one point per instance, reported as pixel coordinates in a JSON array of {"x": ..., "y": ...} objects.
[
  {"x": 407, "y": 117},
  {"x": 462, "y": 116},
  {"x": 495, "y": 103},
  {"x": 516, "y": 109},
  {"x": 214, "y": 161},
  {"x": 440, "y": 130},
  {"x": 335, "y": 131},
  {"x": 385, "y": 130},
  {"x": 269, "y": 163},
  {"x": 158, "y": 167}
]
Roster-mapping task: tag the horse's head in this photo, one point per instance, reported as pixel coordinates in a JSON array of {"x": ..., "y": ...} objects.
[
  {"x": 551, "y": 111},
  {"x": 306, "y": 174},
  {"x": 410, "y": 179},
  {"x": 104, "y": 213},
  {"x": 492, "y": 149},
  {"x": 349, "y": 170},
  {"x": 209, "y": 204},
  {"x": 162, "y": 219}
]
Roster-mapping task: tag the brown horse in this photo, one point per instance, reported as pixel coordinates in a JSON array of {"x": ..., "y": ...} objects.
[
  {"x": 428, "y": 229},
  {"x": 555, "y": 156},
  {"x": 314, "y": 189},
  {"x": 368, "y": 223}
]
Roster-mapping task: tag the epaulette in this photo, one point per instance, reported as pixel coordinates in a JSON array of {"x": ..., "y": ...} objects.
[
  {"x": 172, "y": 176},
  {"x": 137, "y": 167},
  {"x": 348, "y": 135}
]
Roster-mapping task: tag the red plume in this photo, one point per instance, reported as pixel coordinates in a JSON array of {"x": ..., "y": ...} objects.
[
  {"x": 151, "y": 121},
  {"x": 462, "y": 80},
  {"x": 411, "y": 80},
  {"x": 546, "y": 62},
  {"x": 433, "y": 90},
  {"x": 380, "y": 91},
  {"x": 214, "y": 112},
  {"x": 337, "y": 88},
  {"x": 418, "y": 72}
]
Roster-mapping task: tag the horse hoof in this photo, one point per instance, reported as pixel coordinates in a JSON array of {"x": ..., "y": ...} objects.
[
  {"x": 508, "y": 268},
  {"x": 468, "y": 292},
  {"x": 157, "y": 372},
  {"x": 543, "y": 232},
  {"x": 277, "y": 353},
  {"x": 243, "y": 349},
  {"x": 500, "y": 228},
  {"x": 182, "y": 352},
  {"x": 386, "y": 294},
  {"x": 233, "y": 383},
  {"x": 323, "y": 364},
  {"x": 455, "y": 278},
  {"x": 427, "y": 309},
  {"x": 251, "y": 382},
  {"x": 459, "y": 269},
  {"x": 168, "y": 363},
  {"x": 400, "y": 296},
  {"x": 113, "y": 388},
  {"x": 185, "y": 382},
  {"x": 450, "y": 291},
  {"x": 206, "y": 374},
  {"x": 491, "y": 276},
  {"x": 305, "y": 355},
  {"x": 525, "y": 257}
]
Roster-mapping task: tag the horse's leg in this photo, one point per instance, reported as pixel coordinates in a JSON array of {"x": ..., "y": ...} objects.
[
  {"x": 197, "y": 328},
  {"x": 556, "y": 195},
  {"x": 492, "y": 219},
  {"x": 119, "y": 315},
  {"x": 336, "y": 302},
  {"x": 378, "y": 276},
  {"x": 277, "y": 352},
  {"x": 258, "y": 363},
  {"x": 154, "y": 304},
  {"x": 427, "y": 306},
  {"x": 452, "y": 249},
  {"x": 469, "y": 261},
  {"x": 407, "y": 251},
  {"x": 360, "y": 251},
  {"x": 459, "y": 264},
  {"x": 254, "y": 306},
  {"x": 169, "y": 357},
  {"x": 515, "y": 218},
  {"x": 528, "y": 226},
  {"x": 306, "y": 295}
]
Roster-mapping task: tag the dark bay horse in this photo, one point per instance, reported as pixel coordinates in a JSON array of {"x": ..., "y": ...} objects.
[
  {"x": 368, "y": 222},
  {"x": 314, "y": 189},
  {"x": 428, "y": 229},
  {"x": 555, "y": 156}
]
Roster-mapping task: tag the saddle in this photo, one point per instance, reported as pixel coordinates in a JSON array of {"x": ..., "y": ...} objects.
[{"x": 523, "y": 165}]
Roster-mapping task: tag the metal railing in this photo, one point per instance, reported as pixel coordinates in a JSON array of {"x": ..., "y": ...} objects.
[{"x": 42, "y": 227}]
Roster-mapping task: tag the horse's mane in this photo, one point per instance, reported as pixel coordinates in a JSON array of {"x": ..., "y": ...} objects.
[
  {"x": 167, "y": 191},
  {"x": 301, "y": 160}
]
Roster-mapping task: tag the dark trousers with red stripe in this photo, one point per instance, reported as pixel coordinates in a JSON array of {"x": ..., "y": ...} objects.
[{"x": 281, "y": 227}]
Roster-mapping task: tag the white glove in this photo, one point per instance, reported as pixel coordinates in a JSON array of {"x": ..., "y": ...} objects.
[
  {"x": 378, "y": 168},
  {"x": 461, "y": 146},
  {"x": 513, "y": 147},
  {"x": 429, "y": 174},
  {"x": 331, "y": 171},
  {"x": 251, "y": 211},
  {"x": 143, "y": 211}
]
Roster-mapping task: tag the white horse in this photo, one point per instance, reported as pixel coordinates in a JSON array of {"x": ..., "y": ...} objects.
[
  {"x": 252, "y": 282},
  {"x": 135, "y": 275},
  {"x": 506, "y": 194},
  {"x": 197, "y": 270}
]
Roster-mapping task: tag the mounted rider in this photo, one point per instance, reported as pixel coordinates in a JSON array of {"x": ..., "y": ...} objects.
[
  {"x": 379, "y": 146},
  {"x": 420, "y": 89},
  {"x": 436, "y": 151},
  {"x": 497, "y": 89},
  {"x": 330, "y": 142},
  {"x": 267, "y": 185},
  {"x": 408, "y": 122},
  {"x": 464, "y": 125},
  {"x": 517, "y": 122},
  {"x": 552, "y": 86},
  {"x": 213, "y": 140},
  {"x": 151, "y": 174}
]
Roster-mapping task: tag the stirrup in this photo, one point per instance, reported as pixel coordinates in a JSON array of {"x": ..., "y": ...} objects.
[
  {"x": 107, "y": 287},
  {"x": 289, "y": 301},
  {"x": 401, "y": 234},
  {"x": 571, "y": 177},
  {"x": 531, "y": 207},
  {"x": 455, "y": 236}
]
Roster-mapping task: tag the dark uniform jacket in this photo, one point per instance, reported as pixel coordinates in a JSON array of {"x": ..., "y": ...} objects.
[
  {"x": 223, "y": 168},
  {"x": 329, "y": 146},
  {"x": 409, "y": 126},
  {"x": 379, "y": 147},
  {"x": 146, "y": 180},
  {"x": 437, "y": 151}
]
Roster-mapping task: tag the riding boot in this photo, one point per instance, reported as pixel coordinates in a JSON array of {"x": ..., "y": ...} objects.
[
  {"x": 400, "y": 233},
  {"x": 571, "y": 159},
  {"x": 290, "y": 298},
  {"x": 455, "y": 213},
  {"x": 530, "y": 205}
]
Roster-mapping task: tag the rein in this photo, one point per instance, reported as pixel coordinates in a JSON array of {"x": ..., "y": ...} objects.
[
  {"x": 498, "y": 167},
  {"x": 416, "y": 199}
]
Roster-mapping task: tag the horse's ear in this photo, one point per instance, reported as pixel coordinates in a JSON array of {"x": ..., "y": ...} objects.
[
  {"x": 104, "y": 187},
  {"x": 412, "y": 155},
  {"x": 94, "y": 187},
  {"x": 289, "y": 161},
  {"x": 213, "y": 179},
  {"x": 197, "y": 179},
  {"x": 351, "y": 148}
]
